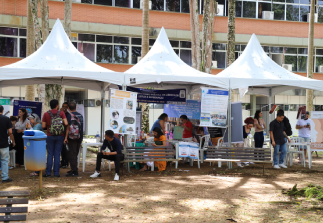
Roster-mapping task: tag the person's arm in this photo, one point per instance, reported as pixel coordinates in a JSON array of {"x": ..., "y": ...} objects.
[
  {"x": 44, "y": 125},
  {"x": 299, "y": 127},
  {"x": 257, "y": 124},
  {"x": 164, "y": 144},
  {"x": 65, "y": 121},
  {"x": 104, "y": 145},
  {"x": 272, "y": 138},
  {"x": 162, "y": 125},
  {"x": 286, "y": 136},
  {"x": 11, "y": 137}
]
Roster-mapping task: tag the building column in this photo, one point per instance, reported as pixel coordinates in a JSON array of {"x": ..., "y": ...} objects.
[{"x": 253, "y": 104}]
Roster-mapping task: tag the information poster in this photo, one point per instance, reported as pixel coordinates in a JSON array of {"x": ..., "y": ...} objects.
[
  {"x": 191, "y": 109},
  {"x": 5, "y": 102},
  {"x": 317, "y": 130},
  {"x": 30, "y": 106},
  {"x": 214, "y": 106},
  {"x": 123, "y": 112}
]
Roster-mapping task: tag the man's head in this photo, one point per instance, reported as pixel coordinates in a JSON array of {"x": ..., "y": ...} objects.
[
  {"x": 53, "y": 104},
  {"x": 1, "y": 109},
  {"x": 65, "y": 106},
  {"x": 280, "y": 116},
  {"x": 72, "y": 106},
  {"x": 307, "y": 115},
  {"x": 109, "y": 135},
  {"x": 13, "y": 120}
]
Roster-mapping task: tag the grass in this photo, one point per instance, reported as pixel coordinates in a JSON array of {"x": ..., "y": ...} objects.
[{"x": 311, "y": 191}]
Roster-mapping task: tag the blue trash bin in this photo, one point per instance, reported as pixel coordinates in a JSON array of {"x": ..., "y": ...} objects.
[{"x": 35, "y": 150}]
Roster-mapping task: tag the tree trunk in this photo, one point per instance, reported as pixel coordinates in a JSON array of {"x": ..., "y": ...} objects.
[
  {"x": 145, "y": 28},
  {"x": 44, "y": 10},
  {"x": 207, "y": 34},
  {"x": 310, "y": 93},
  {"x": 231, "y": 32},
  {"x": 195, "y": 32},
  {"x": 37, "y": 31},
  {"x": 30, "y": 89},
  {"x": 68, "y": 17}
]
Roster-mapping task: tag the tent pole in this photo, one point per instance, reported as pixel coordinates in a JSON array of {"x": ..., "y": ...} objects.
[
  {"x": 102, "y": 111},
  {"x": 229, "y": 122},
  {"x": 269, "y": 115}
]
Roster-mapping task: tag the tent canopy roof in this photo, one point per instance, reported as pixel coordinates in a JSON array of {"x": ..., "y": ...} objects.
[
  {"x": 56, "y": 60},
  {"x": 255, "y": 68},
  {"x": 163, "y": 65}
]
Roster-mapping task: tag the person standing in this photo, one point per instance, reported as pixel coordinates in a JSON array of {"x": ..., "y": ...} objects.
[
  {"x": 259, "y": 129},
  {"x": 20, "y": 127},
  {"x": 277, "y": 136},
  {"x": 75, "y": 138},
  {"x": 64, "y": 161},
  {"x": 54, "y": 121},
  {"x": 288, "y": 127},
  {"x": 188, "y": 128},
  {"x": 5, "y": 131},
  {"x": 304, "y": 130},
  {"x": 160, "y": 123}
]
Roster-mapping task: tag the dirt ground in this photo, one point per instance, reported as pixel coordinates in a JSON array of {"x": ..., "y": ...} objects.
[{"x": 209, "y": 194}]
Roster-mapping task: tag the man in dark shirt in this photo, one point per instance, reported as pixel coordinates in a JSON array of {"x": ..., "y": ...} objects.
[
  {"x": 5, "y": 131},
  {"x": 111, "y": 150},
  {"x": 64, "y": 161},
  {"x": 277, "y": 136}
]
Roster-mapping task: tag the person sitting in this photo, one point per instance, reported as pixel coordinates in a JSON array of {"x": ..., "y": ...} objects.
[
  {"x": 110, "y": 150},
  {"x": 161, "y": 138},
  {"x": 188, "y": 128},
  {"x": 35, "y": 122},
  {"x": 160, "y": 123}
]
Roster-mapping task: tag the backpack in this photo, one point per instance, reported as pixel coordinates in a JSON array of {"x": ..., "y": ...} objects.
[
  {"x": 75, "y": 127},
  {"x": 288, "y": 127},
  {"x": 56, "y": 124}
]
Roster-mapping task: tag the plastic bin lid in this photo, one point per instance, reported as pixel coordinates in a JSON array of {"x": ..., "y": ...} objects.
[{"x": 34, "y": 134}]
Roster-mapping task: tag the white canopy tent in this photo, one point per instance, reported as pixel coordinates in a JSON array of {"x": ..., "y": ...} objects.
[{"x": 162, "y": 67}]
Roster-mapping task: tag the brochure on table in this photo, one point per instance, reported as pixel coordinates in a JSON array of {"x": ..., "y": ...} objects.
[
  {"x": 188, "y": 149},
  {"x": 123, "y": 111},
  {"x": 5, "y": 102},
  {"x": 30, "y": 106},
  {"x": 317, "y": 130},
  {"x": 214, "y": 106}
]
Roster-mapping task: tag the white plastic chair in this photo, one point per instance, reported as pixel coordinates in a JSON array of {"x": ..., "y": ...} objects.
[
  {"x": 12, "y": 160},
  {"x": 203, "y": 148},
  {"x": 297, "y": 149}
]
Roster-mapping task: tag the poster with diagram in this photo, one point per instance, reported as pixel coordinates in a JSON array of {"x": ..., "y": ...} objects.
[
  {"x": 5, "y": 102},
  {"x": 123, "y": 112},
  {"x": 316, "y": 127}
]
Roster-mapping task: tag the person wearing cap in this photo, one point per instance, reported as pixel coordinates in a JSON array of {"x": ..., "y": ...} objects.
[{"x": 304, "y": 130}]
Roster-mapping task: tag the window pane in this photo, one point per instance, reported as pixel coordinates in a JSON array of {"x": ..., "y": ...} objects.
[
  {"x": 104, "y": 39},
  {"x": 8, "y": 31},
  {"x": 122, "y": 40},
  {"x": 279, "y": 11},
  {"x": 174, "y": 43},
  {"x": 238, "y": 8},
  {"x": 292, "y": 1},
  {"x": 103, "y": 2},
  {"x": 266, "y": 48},
  {"x": 237, "y": 47},
  {"x": 219, "y": 46},
  {"x": 136, "y": 4},
  {"x": 87, "y": 49},
  {"x": 249, "y": 9},
  {"x": 86, "y": 1},
  {"x": 185, "y": 44},
  {"x": 302, "y": 50},
  {"x": 136, "y": 41},
  {"x": 157, "y": 5},
  {"x": 173, "y": 5},
  {"x": 304, "y": 10},
  {"x": 176, "y": 51},
  {"x": 308, "y": 2},
  {"x": 121, "y": 54},
  {"x": 8, "y": 47},
  {"x": 135, "y": 53},
  {"x": 22, "y": 32},
  {"x": 23, "y": 47},
  {"x": 278, "y": 0},
  {"x": 291, "y": 60},
  {"x": 104, "y": 53},
  {"x": 302, "y": 63},
  {"x": 319, "y": 52},
  {"x": 122, "y": 3},
  {"x": 219, "y": 57},
  {"x": 263, "y": 7},
  {"x": 320, "y": 14},
  {"x": 185, "y": 6},
  {"x": 186, "y": 56},
  {"x": 243, "y": 47},
  {"x": 151, "y": 42},
  {"x": 87, "y": 37},
  {"x": 320, "y": 2},
  {"x": 292, "y": 12},
  {"x": 290, "y": 50},
  {"x": 75, "y": 44},
  {"x": 319, "y": 62},
  {"x": 275, "y": 49}
]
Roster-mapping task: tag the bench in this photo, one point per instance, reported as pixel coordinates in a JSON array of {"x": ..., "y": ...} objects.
[
  {"x": 239, "y": 154},
  {"x": 150, "y": 154},
  {"x": 9, "y": 200}
]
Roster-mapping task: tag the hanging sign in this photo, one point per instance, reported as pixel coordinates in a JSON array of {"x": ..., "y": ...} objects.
[
  {"x": 5, "y": 102},
  {"x": 316, "y": 126},
  {"x": 123, "y": 112},
  {"x": 214, "y": 107},
  {"x": 30, "y": 106}
]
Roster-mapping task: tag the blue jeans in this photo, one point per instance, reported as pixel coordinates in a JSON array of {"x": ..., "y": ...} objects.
[
  {"x": 54, "y": 148},
  {"x": 4, "y": 152},
  {"x": 306, "y": 139},
  {"x": 283, "y": 151}
]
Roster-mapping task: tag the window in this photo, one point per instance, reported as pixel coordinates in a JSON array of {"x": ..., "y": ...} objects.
[
  {"x": 173, "y": 5},
  {"x": 186, "y": 56},
  {"x": 274, "y": 49},
  {"x": 121, "y": 54},
  {"x": 185, "y": 44},
  {"x": 86, "y": 37},
  {"x": 136, "y": 41},
  {"x": 249, "y": 9},
  {"x": 238, "y": 8},
  {"x": 304, "y": 10},
  {"x": 86, "y": 1},
  {"x": 292, "y": 12},
  {"x": 262, "y": 6},
  {"x": 8, "y": 47},
  {"x": 104, "y": 53},
  {"x": 290, "y": 50},
  {"x": 174, "y": 43},
  {"x": 123, "y": 3},
  {"x": 135, "y": 53},
  {"x": 151, "y": 42},
  {"x": 87, "y": 49},
  {"x": 22, "y": 48},
  {"x": 219, "y": 46},
  {"x": 136, "y": 4},
  {"x": 8, "y": 31},
  {"x": 122, "y": 40},
  {"x": 302, "y": 63},
  {"x": 22, "y": 32},
  {"x": 103, "y": 2},
  {"x": 103, "y": 39},
  {"x": 185, "y": 6},
  {"x": 157, "y": 5},
  {"x": 220, "y": 58},
  {"x": 279, "y": 11},
  {"x": 291, "y": 60}
]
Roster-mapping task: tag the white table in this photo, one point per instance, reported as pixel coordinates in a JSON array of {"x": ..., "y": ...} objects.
[{"x": 84, "y": 151}]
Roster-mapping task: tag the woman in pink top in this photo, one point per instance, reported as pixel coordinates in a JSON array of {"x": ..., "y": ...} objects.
[{"x": 260, "y": 125}]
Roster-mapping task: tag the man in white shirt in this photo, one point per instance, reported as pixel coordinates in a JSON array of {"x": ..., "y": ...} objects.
[{"x": 304, "y": 129}]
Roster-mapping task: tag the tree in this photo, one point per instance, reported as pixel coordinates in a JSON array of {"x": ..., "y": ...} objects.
[
  {"x": 195, "y": 32},
  {"x": 231, "y": 32},
  {"x": 309, "y": 93}
]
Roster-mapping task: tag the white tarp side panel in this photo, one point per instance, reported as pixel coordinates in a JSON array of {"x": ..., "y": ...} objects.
[
  {"x": 255, "y": 68},
  {"x": 58, "y": 57},
  {"x": 162, "y": 65}
]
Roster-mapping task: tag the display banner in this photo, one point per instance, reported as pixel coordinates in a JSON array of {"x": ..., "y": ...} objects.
[
  {"x": 191, "y": 109},
  {"x": 30, "y": 106},
  {"x": 123, "y": 112},
  {"x": 159, "y": 96},
  {"x": 316, "y": 130},
  {"x": 5, "y": 102},
  {"x": 214, "y": 106},
  {"x": 236, "y": 123}
]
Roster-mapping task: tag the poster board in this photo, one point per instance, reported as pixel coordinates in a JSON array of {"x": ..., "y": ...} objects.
[
  {"x": 317, "y": 130},
  {"x": 236, "y": 122},
  {"x": 30, "y": 106},
  {"x": 80, "y": 109},
  {"x": 191, "y": 109},
  {"x": 214, "y": 106},
  {"x": 5, "y": 102},
  {"x": 123, "y": 112}
]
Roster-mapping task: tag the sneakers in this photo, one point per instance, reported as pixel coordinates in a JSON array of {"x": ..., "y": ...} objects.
[
  {"x": 7, "y": 180},
  {"x": 70, "y": 171},
  {"x": 239, "y": 165},
  {"x": 252, "y": 163},
  {"x": 72, "y": 174},
  {"x": 276, "y": 167},
  {"x": 282, "y": 166},
  {"x": 96, "y": 174},
  {"x": 116, "y": 177},
  {"x": 245, "y": 163}
]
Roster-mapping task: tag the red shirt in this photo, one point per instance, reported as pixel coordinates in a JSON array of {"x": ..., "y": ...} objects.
[
  {"x": 47, "y": 119},
  {"x": 188, "y": 134}
]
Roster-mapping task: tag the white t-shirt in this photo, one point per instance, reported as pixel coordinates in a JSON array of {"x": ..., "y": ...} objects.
[{"x": 304, "y": 132}]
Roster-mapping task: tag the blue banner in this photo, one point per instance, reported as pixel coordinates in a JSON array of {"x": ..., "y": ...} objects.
[
  {"x": 159, "y": 96},
  {"x": 192, "y": 109},
  {"x": 217, "y": 92},
  {"x": 30, "y": 106}
]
